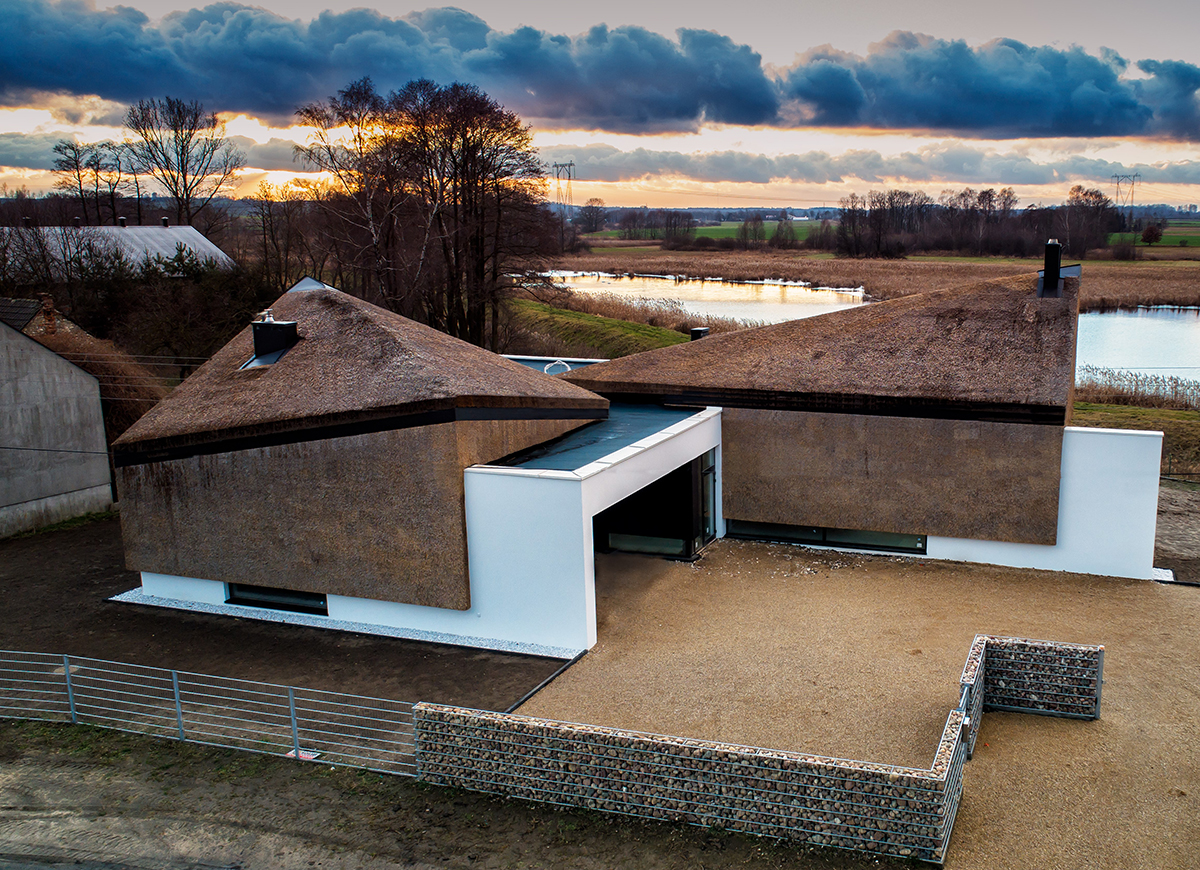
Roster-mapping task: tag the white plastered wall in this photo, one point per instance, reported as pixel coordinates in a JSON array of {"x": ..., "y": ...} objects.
[
  {"x": 1107, "y": 510},
  {"x": 529, "y": 546}
]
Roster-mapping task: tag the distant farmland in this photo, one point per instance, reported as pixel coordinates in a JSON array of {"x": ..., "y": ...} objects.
[{"x": 725, "y": 230}]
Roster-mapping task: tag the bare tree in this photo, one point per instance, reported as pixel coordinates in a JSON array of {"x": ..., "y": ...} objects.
[
  {"x": 72, "y": 168},
  {"x": 185, "y": 149},
  {"x": 592, "y": 216},
  {"x": 436, "y": 192}
]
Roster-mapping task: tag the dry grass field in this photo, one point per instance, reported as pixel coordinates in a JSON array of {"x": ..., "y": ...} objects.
[{"x": 1107, "y": 284}]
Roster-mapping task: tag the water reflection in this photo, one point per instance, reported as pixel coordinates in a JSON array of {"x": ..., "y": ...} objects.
[
  {"x": 768, "y": 301},
  {"x": 1160, "y": 341},
  {"x": 1156, "y": 341}
]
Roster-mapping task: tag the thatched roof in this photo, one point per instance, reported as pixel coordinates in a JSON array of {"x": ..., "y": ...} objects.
[
  {"x": 354, "y": 363},
  {"x": 993, "y": 344}
]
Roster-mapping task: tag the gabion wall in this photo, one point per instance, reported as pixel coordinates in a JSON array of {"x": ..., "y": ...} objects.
[
  {"x": 878, "y": 808},
  {"x": 825, "y": 801},
  {"x": 1043, "y": 677}
]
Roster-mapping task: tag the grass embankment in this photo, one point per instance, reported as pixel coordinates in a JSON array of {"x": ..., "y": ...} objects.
[
  {"x": 1181, "y": 430},
  {"x": 575, "y": 333},
  {"x": 1107, "y": 284}
]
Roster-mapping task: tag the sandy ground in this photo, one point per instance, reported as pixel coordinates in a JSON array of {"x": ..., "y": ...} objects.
[
  {"x": 771, "y": 645},
  {"x": 860, "y": 657}
]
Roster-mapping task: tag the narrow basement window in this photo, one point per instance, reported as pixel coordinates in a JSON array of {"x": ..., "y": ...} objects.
[
  {"x": 276, "y": 599},
  {"x": 857, "y": 539}
]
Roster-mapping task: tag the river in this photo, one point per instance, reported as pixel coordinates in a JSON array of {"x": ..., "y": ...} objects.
[{"x": 1159, "y": 341}]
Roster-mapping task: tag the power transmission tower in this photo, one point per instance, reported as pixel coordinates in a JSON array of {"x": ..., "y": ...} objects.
[
  {"x": 1127, "y": 199},
  {"x": 563, "y": 172}
]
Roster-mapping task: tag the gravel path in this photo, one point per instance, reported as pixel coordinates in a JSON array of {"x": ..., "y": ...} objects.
[{"x": 860, "y": 657}]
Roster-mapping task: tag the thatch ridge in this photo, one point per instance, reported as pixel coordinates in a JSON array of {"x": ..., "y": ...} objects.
[
  {"x": 991, "y": 342},
  {"x": 354, "y": 361}
]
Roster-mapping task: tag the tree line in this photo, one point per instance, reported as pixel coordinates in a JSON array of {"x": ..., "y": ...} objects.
[
  {"x": 893, "y": 223},
  {"x": 430, "y": 201}
]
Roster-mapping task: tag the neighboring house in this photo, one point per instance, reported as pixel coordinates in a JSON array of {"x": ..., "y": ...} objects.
[
  {"x": 128, "y": 389},
  {"x": 52, "y": 254},
  {"x": 53, "y": 456},
  {"x": 140, "y": 243},
  {"x": 369, "y": 471}
]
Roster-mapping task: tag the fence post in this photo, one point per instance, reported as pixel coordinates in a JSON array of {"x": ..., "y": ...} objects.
[
  {"x": 295, "y": 730},
  {"x": 70, "y": 690},
  {"x": 178, "y": 704}
]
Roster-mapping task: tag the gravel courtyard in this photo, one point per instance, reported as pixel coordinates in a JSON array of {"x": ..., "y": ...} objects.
[{"x": 860, "y": 657}]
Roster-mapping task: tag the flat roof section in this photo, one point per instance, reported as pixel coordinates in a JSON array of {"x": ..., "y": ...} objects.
[
  {"x": 626, "y": 425},
  {"x": 552, "y": 365}
]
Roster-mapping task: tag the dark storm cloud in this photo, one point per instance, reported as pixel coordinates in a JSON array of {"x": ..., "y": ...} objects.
[
  {"x": 27, "y": 150},
  {"x": 240, "y": 58},
  {"x": 949, "y": 163},
  {"x": 1002, "y": 88}
]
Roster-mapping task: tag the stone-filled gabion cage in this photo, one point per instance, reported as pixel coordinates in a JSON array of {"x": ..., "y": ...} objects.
[{"x": 878, "y": 808}]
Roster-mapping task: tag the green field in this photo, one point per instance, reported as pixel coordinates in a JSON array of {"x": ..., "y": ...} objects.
[
  {"x": 726, "y": 230},
  {"x": 1173, "y": 236}
]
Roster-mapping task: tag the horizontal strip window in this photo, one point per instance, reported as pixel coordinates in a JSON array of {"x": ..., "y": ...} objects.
[
  {"x": 842, "y": 403},
  {"x": 144, "y": 455},
  {"x": 277, "y": 599},
  {"x": 858, "y": 539}
]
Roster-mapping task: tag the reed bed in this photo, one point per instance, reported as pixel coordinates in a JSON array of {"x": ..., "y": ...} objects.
[
  {"x": 1107, "y": 284},
  {"x": 1118, "y": 387}
]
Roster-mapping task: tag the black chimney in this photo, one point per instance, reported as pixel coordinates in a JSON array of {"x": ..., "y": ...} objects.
[
  {"x": 26, "y": 222},
  {"x": 698, "y": 332},
  {"x": 1051, "y": 270},
  {"x": 166, "y": 222},
  {"x": 271, "y": 335},
  {"x": 120, "y": 221},
  {"x": 77, "y": 222}
]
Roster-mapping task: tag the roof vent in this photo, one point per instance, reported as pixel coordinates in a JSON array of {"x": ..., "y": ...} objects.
[
  {"x": 166, "y": 222},
  {"x": 77, "y": 222},
  {"x": 272, "y": 338},
  {"x": 121, "y": 221},
  {"x": 1048, "y": 288}
]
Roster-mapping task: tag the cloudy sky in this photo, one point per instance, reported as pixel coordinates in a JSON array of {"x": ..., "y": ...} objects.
[{"x": 779, "y": 102}]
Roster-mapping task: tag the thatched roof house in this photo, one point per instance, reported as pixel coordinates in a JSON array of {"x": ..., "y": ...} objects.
[
  {"x": 334, "y": 464},
  {"x": 938, "y": 413}
]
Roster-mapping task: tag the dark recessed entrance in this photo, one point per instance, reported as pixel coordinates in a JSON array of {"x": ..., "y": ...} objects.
[{"x": 675, "y": 516}]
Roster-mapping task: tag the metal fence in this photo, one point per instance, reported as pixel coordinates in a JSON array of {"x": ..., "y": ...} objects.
[{"x": 309, "y": 724}]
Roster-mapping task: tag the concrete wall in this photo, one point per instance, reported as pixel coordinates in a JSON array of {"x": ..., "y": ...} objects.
[
  {"x": 52, "y": 413},
  {"x": 376, "y": 516},
  {"x": 955, "y": 478},
  {"x": 529, "y": 540},
  {"x": 1107, "y": 510}
]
